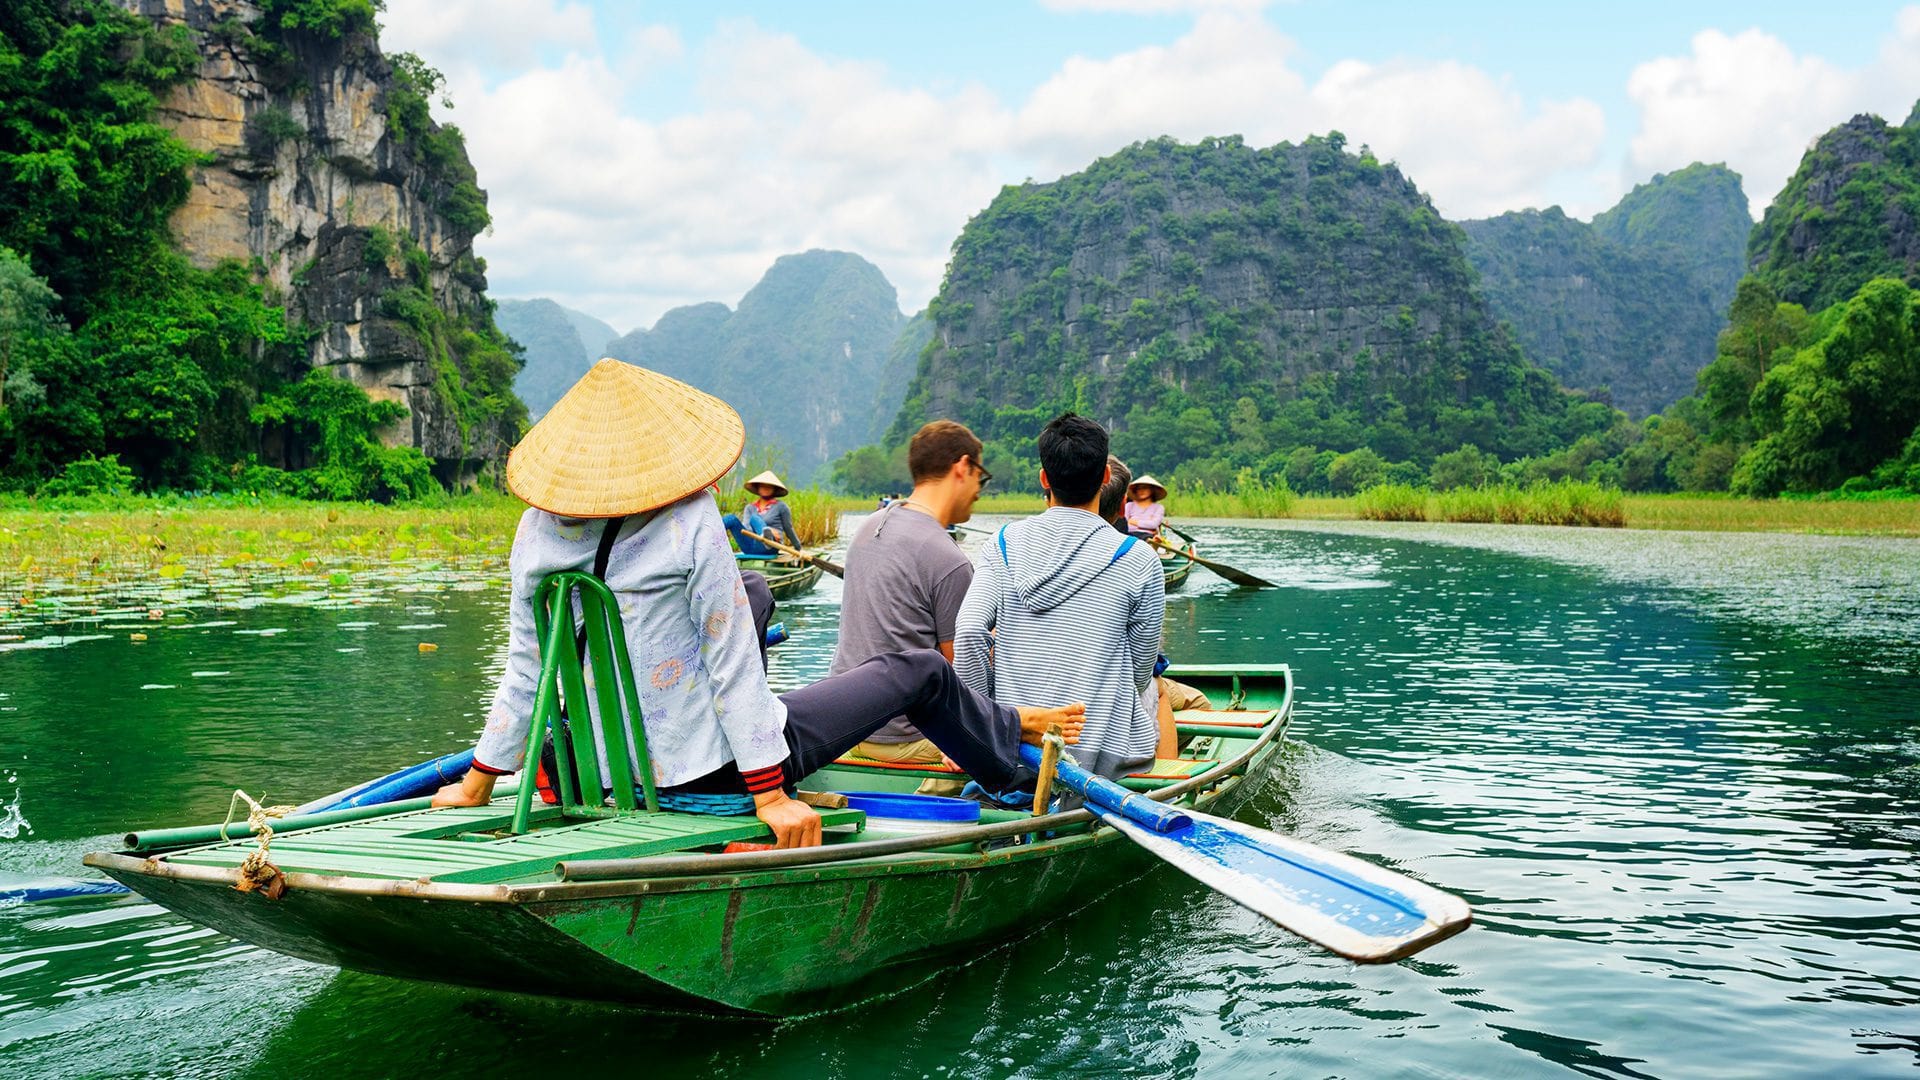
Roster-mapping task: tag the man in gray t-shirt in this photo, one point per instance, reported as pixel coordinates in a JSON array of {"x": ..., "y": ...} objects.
[{"x": 906, "y": 577}]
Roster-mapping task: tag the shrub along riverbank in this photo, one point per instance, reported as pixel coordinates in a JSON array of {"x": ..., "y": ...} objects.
[{"x": 1543, "y": 504}]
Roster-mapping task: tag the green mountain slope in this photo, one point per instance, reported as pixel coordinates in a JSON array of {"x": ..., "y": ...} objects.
[
  {"x": 896, "y": 373},
  {"x": 1851, "y": 213},
  {"x": 1696, "y": 217},
  {"x": 557, "y": 348},
  {"x": 800, "y": 358},
  {"x": 1219, "y": 302},
  {"x": 1629, "y": 306},
  {"x": 594, "y": 334}
]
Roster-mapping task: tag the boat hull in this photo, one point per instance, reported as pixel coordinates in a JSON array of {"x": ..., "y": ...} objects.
[
  {"x": 785, "y": 580},
  {"x": 1176, "y": 569},
  {"x": 769, "y": 942}
]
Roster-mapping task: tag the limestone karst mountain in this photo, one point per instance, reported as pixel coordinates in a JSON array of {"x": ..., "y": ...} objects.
[{"x": 802, "y": 357}]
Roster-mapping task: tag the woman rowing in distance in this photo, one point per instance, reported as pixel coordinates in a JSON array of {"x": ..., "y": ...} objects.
[
  {"x": 765, "y": 514},
  {"x": 1145, "y": 511}
]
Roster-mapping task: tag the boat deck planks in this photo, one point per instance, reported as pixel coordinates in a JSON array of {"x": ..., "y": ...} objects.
[{"x": 401, "y": 848}]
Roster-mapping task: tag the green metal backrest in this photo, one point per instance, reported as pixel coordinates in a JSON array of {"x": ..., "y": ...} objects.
[{"x": 615, "y": 710}]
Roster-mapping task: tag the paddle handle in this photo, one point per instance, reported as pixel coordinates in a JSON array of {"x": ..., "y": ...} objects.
[{"x": 1109, "y": 796}]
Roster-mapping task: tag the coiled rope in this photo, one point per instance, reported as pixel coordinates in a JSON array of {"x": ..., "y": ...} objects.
[{"x": 257, "y": 872}]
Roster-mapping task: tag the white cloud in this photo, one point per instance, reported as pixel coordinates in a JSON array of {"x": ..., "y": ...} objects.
[
  {"x": 496, "y": 33},
  {"x": 782, "y": 148},
  {"x": 1470, "y": 141},
  {"x": 1749, "y": 100}
]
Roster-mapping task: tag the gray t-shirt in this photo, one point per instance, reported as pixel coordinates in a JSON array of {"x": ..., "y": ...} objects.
[{"x": 905, "y": 581}]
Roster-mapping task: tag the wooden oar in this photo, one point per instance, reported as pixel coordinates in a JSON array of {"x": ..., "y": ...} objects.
[
  {"x": 1360, "y": 911},
  {"x": 830, "y": 567},
  {"x": 1238, "y": 577}
]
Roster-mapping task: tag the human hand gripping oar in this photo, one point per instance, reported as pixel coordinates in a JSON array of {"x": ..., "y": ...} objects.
[
  {"x": 1360, "y": 911},
  {"x": 830, "y": 567},
  {"x": 1238, "y": 577}
]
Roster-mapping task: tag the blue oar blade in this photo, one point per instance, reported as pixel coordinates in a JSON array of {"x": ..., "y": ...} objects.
[{"x": 1360, "y": 911}]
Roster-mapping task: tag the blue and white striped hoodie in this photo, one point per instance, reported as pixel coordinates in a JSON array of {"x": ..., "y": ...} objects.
[{"x": 1065, "y": 608}]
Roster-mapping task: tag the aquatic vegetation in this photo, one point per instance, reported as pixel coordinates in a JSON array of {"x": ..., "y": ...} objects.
[{"x": 70, "y": 570}]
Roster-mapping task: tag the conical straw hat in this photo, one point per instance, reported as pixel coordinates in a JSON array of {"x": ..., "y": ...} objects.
[
  {"x": 624, "y": 440},
  {"x": 767, "y": 478},
  {"x": 1148, "y": 481}
]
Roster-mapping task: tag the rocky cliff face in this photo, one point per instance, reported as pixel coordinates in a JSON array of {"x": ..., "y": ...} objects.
[
  {"x": 1850, "y": 213},
  {"x": 1695, "y": 218},
  {"x": 801, "y": 357},
  {"x": 1629, "y": 307},
  {"x": 1179, "y": 277},
  {"x": 307, "y": 182}
]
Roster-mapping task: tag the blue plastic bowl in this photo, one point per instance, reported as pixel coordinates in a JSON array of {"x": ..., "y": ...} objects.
[{"x": 893, "y": 804}]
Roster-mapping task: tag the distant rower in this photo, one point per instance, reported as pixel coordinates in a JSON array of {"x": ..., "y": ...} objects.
[
  {"x": 765, "y": 514},
  {"x": 1145, "y": 512}
]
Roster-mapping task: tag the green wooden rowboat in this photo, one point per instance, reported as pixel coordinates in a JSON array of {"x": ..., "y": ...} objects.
[
  {"x": 447, "y": 896},
  {"x": 629, "y": 903},
  {"x": 786, "y": 580}
]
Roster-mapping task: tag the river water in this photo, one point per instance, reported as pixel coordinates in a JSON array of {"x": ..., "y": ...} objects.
[{"x": 1675, "y": 774}]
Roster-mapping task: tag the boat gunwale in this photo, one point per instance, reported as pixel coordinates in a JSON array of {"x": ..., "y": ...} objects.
[{"x": 762, "y": 865}]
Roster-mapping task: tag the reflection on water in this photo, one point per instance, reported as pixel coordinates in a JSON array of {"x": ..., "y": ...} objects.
[{"x": 1673, "y": 774}]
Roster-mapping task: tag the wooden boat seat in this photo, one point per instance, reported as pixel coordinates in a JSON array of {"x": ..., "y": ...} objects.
[
  {"x": 1218, "y": 718},
  {"x": 465, "y": 845}
]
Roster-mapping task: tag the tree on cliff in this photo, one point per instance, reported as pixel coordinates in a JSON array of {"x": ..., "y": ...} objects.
[{"x": 1845, "y": 404}]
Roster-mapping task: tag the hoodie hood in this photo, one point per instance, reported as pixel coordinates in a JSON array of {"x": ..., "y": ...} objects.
[{"x": 1055, "y": 555}]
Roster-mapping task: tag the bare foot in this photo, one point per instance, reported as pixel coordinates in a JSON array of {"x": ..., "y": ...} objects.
[{"x": 1035, "y": 722}]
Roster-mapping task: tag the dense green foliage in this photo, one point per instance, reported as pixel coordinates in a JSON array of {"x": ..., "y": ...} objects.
[
  {"x": 112, "y": 346},
  {"x": 1815, "y": 385},
  {"x": 1695, "y": 218},
  {"x": 1845, "y": 405},
  {"x": 162, "y": 360},
  {"x": 340, "y": 423},
  {"x": 1851, "y": 213},
  {"x": 1628, "y": 307},
  {"x": 1221, "y": 307},
  {"x": 800, "y": 358}
]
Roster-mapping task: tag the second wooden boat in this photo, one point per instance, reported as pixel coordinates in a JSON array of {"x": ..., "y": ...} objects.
[
  {"x": 785, "y": 579},
  {"x": 1176, "y": 565}
]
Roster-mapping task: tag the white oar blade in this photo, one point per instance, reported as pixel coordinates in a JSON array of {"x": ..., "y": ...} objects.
[{"x": 1354, "y": 908}]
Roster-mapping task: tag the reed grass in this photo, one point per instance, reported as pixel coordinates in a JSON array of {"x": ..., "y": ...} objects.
[
  {"x": 1392, "y": 502},
  {"x": 1560, "y": 502},
  {"x": 1728, "y": 513}
]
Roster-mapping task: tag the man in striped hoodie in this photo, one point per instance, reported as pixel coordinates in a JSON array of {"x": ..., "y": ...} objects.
[{"x": 1065, "y": 608}]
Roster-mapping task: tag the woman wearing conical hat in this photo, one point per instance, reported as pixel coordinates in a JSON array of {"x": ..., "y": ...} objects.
[
  {"x": 617, "y": 477},
  {"x": 765, "y": 514},
  {"x": 1145, "y": 512}
]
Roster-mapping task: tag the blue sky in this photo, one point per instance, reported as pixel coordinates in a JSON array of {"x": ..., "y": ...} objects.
[{"x": 644, "y": 155}]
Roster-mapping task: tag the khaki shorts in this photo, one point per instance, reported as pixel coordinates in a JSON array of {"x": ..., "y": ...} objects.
[{"x": 917, "y": 752}]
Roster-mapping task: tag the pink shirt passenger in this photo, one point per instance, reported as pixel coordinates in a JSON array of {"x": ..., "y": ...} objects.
[{"x": 1145, "y": 519}]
